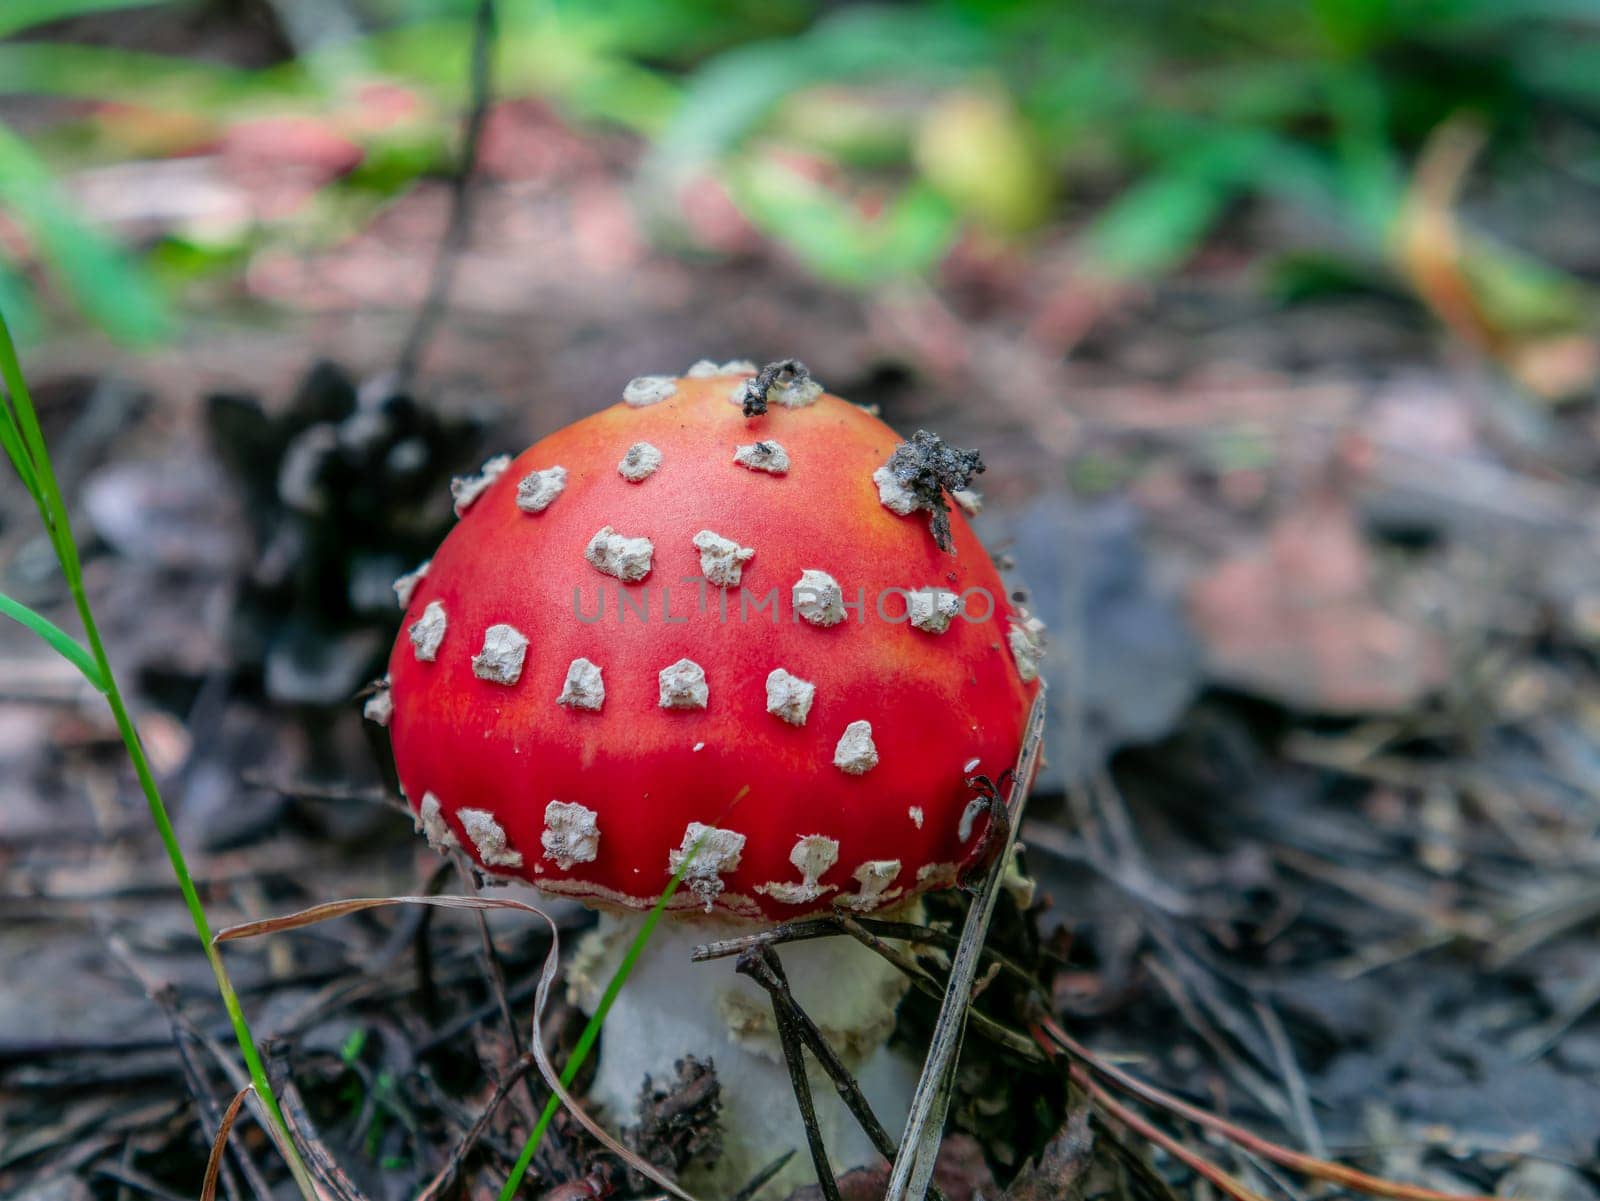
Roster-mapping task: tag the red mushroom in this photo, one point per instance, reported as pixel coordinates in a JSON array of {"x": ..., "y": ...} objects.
[{"x": 673, "y": 604}]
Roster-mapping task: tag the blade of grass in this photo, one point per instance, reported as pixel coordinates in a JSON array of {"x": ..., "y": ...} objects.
[
  {"x": 11, "y": 443},
  {"x": 919, "y": 1145},
  {"x": 591, "y": 1030},
  {"x": 335, "y": 909},
  {"x": 59, "y": 640},
  {"x": 219, "y": 1145},
  {"x": 56, "y": 519}
]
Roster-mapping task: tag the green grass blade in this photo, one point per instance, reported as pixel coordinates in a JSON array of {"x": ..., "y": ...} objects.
[
  {"x": 63, "y": 643},
  {"x": 23, "y": 441},
  {"x": 59, "y": 524},
  {"x": 106, "y": 282},
  {"x": 17, "y": 299},
  {"x": 11, "y": 443},
  {"x": 591, "y": 1030}
]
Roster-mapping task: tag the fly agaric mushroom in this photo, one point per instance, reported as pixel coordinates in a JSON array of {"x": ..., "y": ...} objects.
[{"x": 670, "y": 605}]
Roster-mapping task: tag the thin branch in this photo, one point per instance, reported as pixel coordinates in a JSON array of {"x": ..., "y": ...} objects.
[
  {"x": 919, "y": 1146},
  {"x": 547, "y": 975},
  {"x": 485, "y": 31},
  {"x": 1048, "y": 1033},
  {"x": 184, "y": 1031},
  {"x": 446, "y": 1177},
  {"x": 766, "y": 969},
  {"x": 759, "y": 1180},
  {"x": 831, "y": 924},
  {"x": 926, "y": 983},
  {"x": 219, "y": 1145},
  {"x": 1294, "y": 1079},
  {"x": 330, "y": 1177},
  {"x": 495, "y": 978},
  {"x": 1146, "y": 1129},
  {"x": 760, "y": 963}
]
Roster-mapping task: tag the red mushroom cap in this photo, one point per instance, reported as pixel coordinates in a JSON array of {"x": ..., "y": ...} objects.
[{"x": 572, "y": 708}]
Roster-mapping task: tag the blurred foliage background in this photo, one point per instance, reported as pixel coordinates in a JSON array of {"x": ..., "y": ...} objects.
[{"x": 870, "y": 142}]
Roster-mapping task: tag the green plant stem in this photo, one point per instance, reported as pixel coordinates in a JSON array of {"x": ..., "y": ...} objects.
[
  {"x": 56, "y": 638},
  {"x": 591, "y": 1030},
  {"x": 60, "y": 530}
]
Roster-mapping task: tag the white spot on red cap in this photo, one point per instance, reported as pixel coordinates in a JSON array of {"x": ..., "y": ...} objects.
[
  {"x": 722, "y": 560},
  {"x": 427, "y": 632},
  {"x": 500, "y": 661},
  {"x": 488, "y": 839},
  {"x": 683, "y": 686},
  {"x": 707, "y": 369},
  {"x": 715, "y": 851},
  {"x": 818, "y": 598},
  {"x": 789, "y": 697},
  {"x": 380, "y": 705},
  {"x": 406, "y": 586},
  {"x": 1026, "y": 640},
  {"x": 856, "y": 755},
  {"x": 645, "y": 390},
  {"x": 765, "y": 456},
  {"x": 874, "y": 876},
  {"x": 430, "y": 820},
  {"x": 639, "y": 463},
  {"x": 932, "y": 609},
  {"x": 896, "y": 497},
  {"x": 971, "y": 502},
  {"x": 915, "y": 813},
  {"x": 795, "y": 394},
  {"x": 812, "y": 856},
  {"x": 571, "y": 834},
  {"x": 538, "y": 490},
  {"x": 583, "y": 687},
  {"x": 467, "y": 488},
  {"x": 627, "y": 559}
]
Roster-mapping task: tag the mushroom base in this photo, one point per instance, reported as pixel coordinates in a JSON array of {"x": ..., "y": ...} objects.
[{"x": 672, "y": 1007}]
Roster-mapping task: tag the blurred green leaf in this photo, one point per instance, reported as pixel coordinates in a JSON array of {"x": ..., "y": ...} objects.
[
  {"x": 1200, "y": 168},
  {"x": 132, "y": 77},
  {"x": 1521, "y": 295},
  {"x": 1422, "y": 16},
  {"x": 1568, "y": 69},
  {"x": 1157, "y": 224},
  {"x": 18, "y": 15},
  {"x": 1310, "y": 275},
  {"x": 974, "y": 148},
  {"x": 107, "y": 284},
  {"x": 1370, "y": 179},
  {"x": 18, "y": 305},
  {"x": 834, "y": 238},
  {"x": 733, "y": 92},
  {"x": 1354, "y": 26},
  {"x": 681, "y": 30}
]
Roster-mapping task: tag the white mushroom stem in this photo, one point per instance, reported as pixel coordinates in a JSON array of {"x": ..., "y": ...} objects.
[{"x": 671, "y": 1007}]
